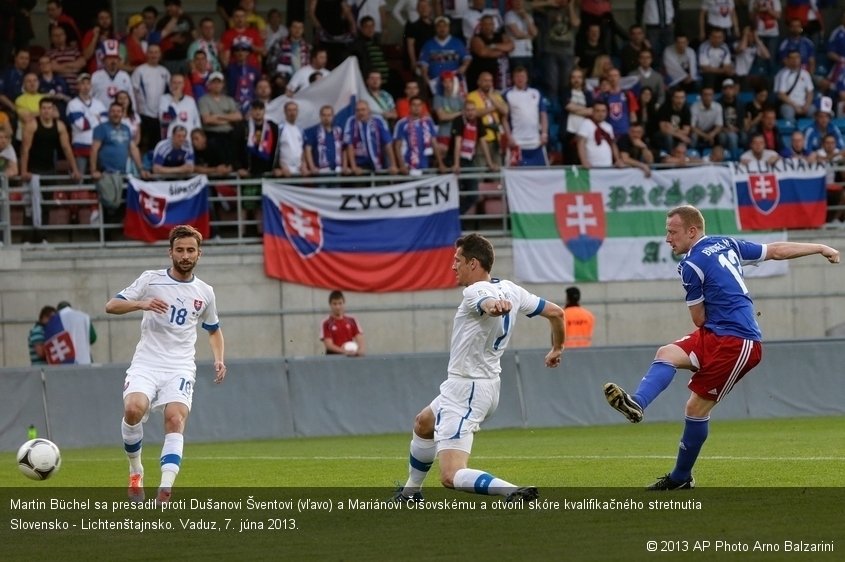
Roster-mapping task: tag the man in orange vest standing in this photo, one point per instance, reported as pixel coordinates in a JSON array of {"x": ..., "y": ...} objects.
[{"x": 579, "y": 321}]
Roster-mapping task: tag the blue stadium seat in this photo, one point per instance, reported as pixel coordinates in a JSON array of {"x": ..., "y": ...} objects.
[
  {"x": 785, "y": 127},
  {"x": 786, "y": 140},
  {"x": 839, "y": 123},
  {"x": 804, "y": 123},
  {"x": 745, "y": 98},
  {"x": 692, "y": 98}
]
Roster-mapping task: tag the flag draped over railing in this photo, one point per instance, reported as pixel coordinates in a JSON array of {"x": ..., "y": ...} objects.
[{"x": 154, "y": 207}]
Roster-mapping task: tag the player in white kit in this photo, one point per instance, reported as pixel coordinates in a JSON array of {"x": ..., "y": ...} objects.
[
  {"x": 162, "y": 373},
  {"x": 481, "y": 331}
]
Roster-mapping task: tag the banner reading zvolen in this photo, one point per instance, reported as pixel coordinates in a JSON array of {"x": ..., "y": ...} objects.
[
  {"x": 154, "y": 207},
  {"x": 610, "y": 225},
  {"x": 397, "y": 238},
  {"x": 787, "y": 194}
]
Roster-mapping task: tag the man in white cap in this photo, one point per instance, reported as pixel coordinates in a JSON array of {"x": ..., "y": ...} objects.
[
  {"x": 814, "y": 134},
  {"x": 219, "y": 114},
  {"x": 109, "y": 80}
]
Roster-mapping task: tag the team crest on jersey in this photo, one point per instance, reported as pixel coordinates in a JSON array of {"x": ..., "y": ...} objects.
[
  {"x": 616, "y": 109},
  {"x": 303, "y": 228},
  {"x": 153, "y": 209},
  {"x": 197, "y": 305},
  {"x": 581, "y": 222},
  {"x": 764, "y": 191}
]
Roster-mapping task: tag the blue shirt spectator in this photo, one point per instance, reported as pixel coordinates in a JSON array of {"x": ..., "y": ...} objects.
[
  {"x": 113, "y": 140},
  {"x": 814, "y": 135}
]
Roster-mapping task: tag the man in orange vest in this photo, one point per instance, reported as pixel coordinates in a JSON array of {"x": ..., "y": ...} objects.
[{"x": 579, "y": 320}]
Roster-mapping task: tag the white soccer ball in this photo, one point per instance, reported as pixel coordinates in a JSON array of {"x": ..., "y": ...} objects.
[
  {"x": 350, "y": 347},
  {"x": 39, "y": 459}
]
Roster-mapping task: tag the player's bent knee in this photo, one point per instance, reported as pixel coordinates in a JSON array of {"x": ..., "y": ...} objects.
[
  {"x": 424, "y": 424},
  {"x": 133, "y": 412}
]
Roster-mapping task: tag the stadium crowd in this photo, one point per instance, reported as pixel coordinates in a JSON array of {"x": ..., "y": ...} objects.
[{"x": 519, "y": 84}]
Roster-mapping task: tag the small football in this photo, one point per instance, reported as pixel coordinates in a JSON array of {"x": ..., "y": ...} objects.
[{"x": 39, "y": 459}]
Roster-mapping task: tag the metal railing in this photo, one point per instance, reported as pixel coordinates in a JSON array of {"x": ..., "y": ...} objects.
[{"x": 73, "y": 217}]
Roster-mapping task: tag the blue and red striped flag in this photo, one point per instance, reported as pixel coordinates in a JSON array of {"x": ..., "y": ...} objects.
[
  {"x": 787, "y": 194},
  {"x": 397, "y": 238},
  {"x": 154, "y": 207}
]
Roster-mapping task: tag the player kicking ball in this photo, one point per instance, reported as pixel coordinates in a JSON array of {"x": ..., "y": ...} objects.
[
  {"x": 482, "y": 329},
  {"x": 163, "y": 370},
  {"x": 727, "y": 343}
]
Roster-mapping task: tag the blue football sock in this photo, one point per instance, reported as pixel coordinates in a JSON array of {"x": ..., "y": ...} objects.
[
  {"x": 655, "y": 381},
  {"x": 695, "y": 433}
]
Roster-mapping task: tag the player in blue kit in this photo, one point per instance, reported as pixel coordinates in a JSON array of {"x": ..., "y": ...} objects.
[{"x": 727, "y": 343}]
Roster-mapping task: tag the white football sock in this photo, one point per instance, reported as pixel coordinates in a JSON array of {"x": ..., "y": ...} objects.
[
  {"x": 133, "y": 436},
  {"x": 423, "y": 452},
  {"x": 171, "y": 458},
  {"x": 479, "y": 482}
]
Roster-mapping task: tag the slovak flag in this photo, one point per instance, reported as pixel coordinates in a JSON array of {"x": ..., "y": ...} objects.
[
  {"x": 787, "y": 194},
  {"x": 396, "y": 238},
  {"x": 58, "y": 345},
  {"x": 153, "y": 208}
]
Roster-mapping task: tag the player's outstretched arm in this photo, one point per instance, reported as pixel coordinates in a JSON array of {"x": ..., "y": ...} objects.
[
  {"x": 555, "y": 315},
  {"x": 122, "y": 306},
  {"x": 792, "y": 250}
]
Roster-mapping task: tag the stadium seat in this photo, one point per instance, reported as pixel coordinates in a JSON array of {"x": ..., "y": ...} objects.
[
  {"x": 786, "y": 139},
  {"x": 491, "y": 202},
  {"x": 839, "y": 123},
  {"x": 745, "y": 98},
  {"x": 785, "y": 127},
  {"x": 692, "y": 98},
  {"x": 804, "y": 123}
]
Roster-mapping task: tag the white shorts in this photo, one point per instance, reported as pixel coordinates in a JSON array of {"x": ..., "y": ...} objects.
[
  {"x": 460, "y": 408},
  {"x": 160, "y": 387}
]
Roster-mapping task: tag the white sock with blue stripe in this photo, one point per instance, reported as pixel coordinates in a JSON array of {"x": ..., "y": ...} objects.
[
  {"x": 171, "y": 458},
  {"x": 133, "y": 437},
  {"x": 423, "y": 452},
  {"x": 479, "y": 482}
]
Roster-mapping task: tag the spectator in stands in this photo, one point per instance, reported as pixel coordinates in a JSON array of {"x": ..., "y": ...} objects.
[
  {"x": 418, "y": 31},
  {"x": 765, "y": 15},
  {"x": 149, "y": 82},
  {"x": 629, "y": 55},
  {"x": 150, "y": 15},
  {"x": 469, "y": 150},
  {"x": 262, "y": 146},
  {"x": 529, "y": 122},
  {"x": 57, "y": 18},
  {"x": 368, "y": 142},
  {"x": 253, "y": 18},
  {"x": 622, "y": 104},
  {"x": 340, "y": 329},
  {"x": 112, "y": 146},
  {"x": 130, "y": 117},
  {"x": 220, "y": 114},
  {"x": 795, "y": 41},
  {"x": 596, "y": 147},
  {"x": 370, "y": 52},
  {"x": 177, "y": 108},
  {"x": 674, "y": 122},
  {"x": 94, "y": 42},
  {"x": 11, "y": 84},
  {"x": 405, "y": 11},
  {"x": 323, "y": 145},
  {"x": 207, "y": 43},
  {"x": 84, "y": 114},
  {"x": 403, "y": 104},
  {"x": 634, "y": 151},
  {"x": 706, "y": 121},
  {"x": 8, "y": 157},
  {"x": 81, "y": 330},
  {"x": 797, "y": 148},
  {"x": 769, "y": 129},
  {"x": 384, "y": 102},
  {"x": 579, "y": 321},
  {"x": 44, "y": 139},
  {"x": 241, "y": 76},
  {"x": 794, "y": 88},
  {"x": 334, "y": 27},
  {"x": 414, "y": 139},
  {"x": 748, "y": 49},
  {"x": 243, "y": 35},
  {"x": 718, "y": 14},
  {"x": 492, "y": 109},
  {"x": 472, "y": 16},
  {"x": 522, "y": 30},
  {"x": 836, "y": 52},
  {"x": 225, "y": 9},
  {"x": 556, "y": 44},
  {"x": 831, "y": 155},
  {"x": 37, "y": 339},
  {"x": 289, "y": 161},
  {"x": 276, "y": 30},
  {"x": 26, "y": 104},
  {"x": 110, "y": 79},
  {"x": 177, "y": 32},
  {"x": 732, "y": 135},
  {"x": 448, "y": 105},
  {"x": 67, "y": 60},
  {"x": 300, "y": 80},
  {"x": 681, "y": 65},
  {"x": 264, "y": 92},
  {"x": 198, "y": 78},
  {"x": 443, "y": 53},
  {"x": 174, "y": 155},
  {"x": 680, "y": 156},
  {"x": 489, "y": 49},
  {"x": 577, "y": 102},
  {"x": 714, "y": 60},
  {"x": 289, "y": 54},
  {"x": 758, "y": 156},
  {"x": 136, "y": 42},
  {"x": 754, "y": 108},
  {"x": 588, "y": 50},
  {"x": 208, "y": 159},
  {"x": 658, "y": 17},
  {"x": 649, "y": 78},
  {"x": 822, "y": 127}
]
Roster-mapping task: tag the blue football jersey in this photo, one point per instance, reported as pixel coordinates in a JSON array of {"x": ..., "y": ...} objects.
[{"x": 712, "y": 274}]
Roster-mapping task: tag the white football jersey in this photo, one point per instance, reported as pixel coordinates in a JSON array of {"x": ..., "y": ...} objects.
[
  {"x": 168, "y": 340},
  {"x": 105, "y": 87},
  {"x": 182, "y": 112},
  {"x": 478, "y": 340}
]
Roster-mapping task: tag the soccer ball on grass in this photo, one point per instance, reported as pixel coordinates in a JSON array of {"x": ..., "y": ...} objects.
[{"x": 39, "y": 459}]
